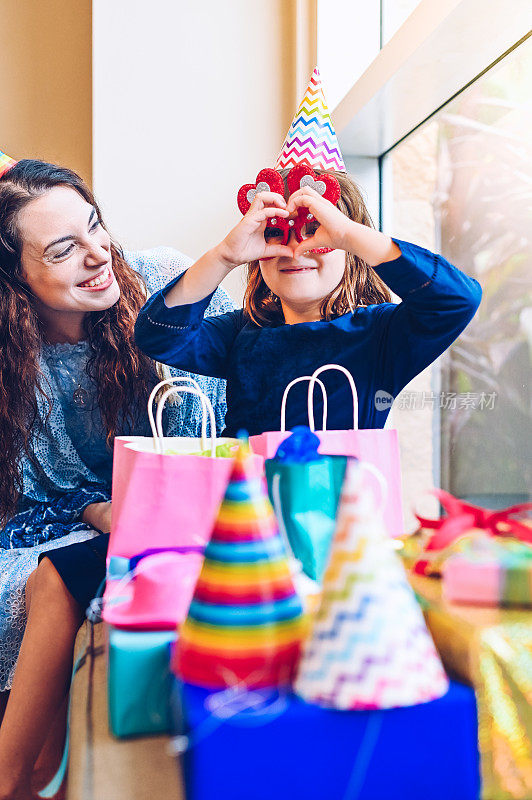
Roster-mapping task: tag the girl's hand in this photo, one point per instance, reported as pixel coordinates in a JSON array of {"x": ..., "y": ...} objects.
[
  {"x": 98, "y": 516},
  {"x": 333, "y": 230},
  {"x": 246, "y": 241}
]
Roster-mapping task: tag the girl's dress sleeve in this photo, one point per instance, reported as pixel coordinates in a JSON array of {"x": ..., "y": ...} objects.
[
  {"x": 185, "y": 336},
  {"x": 160, "y": 265},
  {"x": 438, "y": 302}
]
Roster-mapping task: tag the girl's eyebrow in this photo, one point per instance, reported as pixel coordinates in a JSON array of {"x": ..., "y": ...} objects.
[{"x": 70, "y": 236}]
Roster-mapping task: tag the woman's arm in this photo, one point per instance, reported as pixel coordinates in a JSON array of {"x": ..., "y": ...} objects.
[
  {"x": 98, "y": 516},
  {"x": 45, "y": 520}
]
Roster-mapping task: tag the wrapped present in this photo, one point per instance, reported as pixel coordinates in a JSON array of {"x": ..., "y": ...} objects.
[
  {"x": 265, "y": 745},
  {"x": 491, "y": 649},
  {"x": 155, "y": 593},
  {"x": 438, "y": 539},
  {"x": 493, "y": 572},
  {"x": 138, "y": 681}
]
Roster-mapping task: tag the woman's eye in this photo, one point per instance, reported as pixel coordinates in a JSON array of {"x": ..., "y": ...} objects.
[
  {"x": 64, "y": 253},
  {"x": 95, "y": 226}
]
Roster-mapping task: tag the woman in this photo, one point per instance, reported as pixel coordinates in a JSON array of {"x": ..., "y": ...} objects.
[{"x": 71, "y": 378}]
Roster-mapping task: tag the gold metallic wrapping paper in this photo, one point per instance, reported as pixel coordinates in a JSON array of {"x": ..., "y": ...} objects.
[{"x": 491, "y": 650}]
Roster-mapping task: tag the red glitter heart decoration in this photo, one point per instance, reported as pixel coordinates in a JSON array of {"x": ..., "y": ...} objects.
[
  {"x": 268, "y": 180},
  {"x": 326, "y": 185},
  {"x": 301, "y": 221},
  {"x": 280, "y": 224}
]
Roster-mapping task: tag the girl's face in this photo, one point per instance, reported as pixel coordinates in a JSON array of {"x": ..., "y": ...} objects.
[
  {"x": 303, "y": 283},
  {"x": 66, "y": 254}
]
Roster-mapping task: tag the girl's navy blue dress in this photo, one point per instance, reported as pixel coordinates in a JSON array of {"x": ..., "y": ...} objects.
[{"x": 383, "y": 346}]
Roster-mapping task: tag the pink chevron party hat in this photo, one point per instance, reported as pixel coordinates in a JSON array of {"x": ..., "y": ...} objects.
[
  {"x": 6, "y": 162},
  {"x": 311, "y": 138},
  {"x": 245, "y": 623},
  {"x": 369, "y": 647}
]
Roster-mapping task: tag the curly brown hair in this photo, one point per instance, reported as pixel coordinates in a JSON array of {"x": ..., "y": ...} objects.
[
  {"x": 122, "y": 373},
  {"x": 360, "y": 285}
]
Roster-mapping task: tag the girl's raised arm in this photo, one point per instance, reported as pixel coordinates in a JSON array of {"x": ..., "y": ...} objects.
[{"x": 242, "y": 244}]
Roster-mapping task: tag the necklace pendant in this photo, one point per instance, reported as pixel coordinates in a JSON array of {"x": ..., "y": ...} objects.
[{"x": 80, "y": 396}]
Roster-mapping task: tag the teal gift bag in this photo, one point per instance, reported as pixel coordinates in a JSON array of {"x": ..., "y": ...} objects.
[
  {"x": 139, "y": 681},
  {"x": 305, "y": 497}
]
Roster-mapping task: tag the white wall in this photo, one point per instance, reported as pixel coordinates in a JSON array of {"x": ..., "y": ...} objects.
[{"x": 190, "y": 101}]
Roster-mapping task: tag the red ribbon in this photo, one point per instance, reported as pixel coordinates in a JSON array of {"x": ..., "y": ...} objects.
[{"x": 461, "y": 517}]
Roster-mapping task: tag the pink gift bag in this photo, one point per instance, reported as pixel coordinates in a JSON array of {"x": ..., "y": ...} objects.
[
  {"x": 166, "y": 499},
  {"x": 379, "y": 447}
]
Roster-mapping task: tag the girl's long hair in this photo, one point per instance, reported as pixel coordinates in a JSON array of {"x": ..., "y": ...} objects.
[
  {"x": 122, "y": 374},
  {"x": 360, "y": 284}
]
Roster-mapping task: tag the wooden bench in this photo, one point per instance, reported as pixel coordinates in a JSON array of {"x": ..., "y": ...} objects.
[{"x": 100, "y": 766}]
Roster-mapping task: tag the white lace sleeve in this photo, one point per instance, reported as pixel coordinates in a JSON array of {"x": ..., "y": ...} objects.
[{"x": 160, "y": 265}]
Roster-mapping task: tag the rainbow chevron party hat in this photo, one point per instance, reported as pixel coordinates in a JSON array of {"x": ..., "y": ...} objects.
[
  {"x": 245, "y": 623},
  {"x": 369, "y": 646},
  {"x": 5, "y": 163},
  {"x": 311, "y": 138}
]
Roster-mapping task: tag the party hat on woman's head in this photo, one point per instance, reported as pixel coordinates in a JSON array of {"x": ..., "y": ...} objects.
[
  {"x": 6, "y": 162},
  {"x": 311, "y": 138},
  {"x": 245, "y": 622},
  {"x": 369, "y": 647}
]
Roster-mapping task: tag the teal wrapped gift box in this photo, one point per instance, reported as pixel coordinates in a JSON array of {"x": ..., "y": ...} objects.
[{"x": 139, "y": 681}]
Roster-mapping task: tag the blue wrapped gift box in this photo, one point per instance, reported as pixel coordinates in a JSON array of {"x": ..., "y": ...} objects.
[{"x": 291, "y": 750}]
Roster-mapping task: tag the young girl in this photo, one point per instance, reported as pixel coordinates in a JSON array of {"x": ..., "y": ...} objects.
[{"x": 310, "y": 303}]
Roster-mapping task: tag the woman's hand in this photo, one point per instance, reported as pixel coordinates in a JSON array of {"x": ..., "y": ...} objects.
[
  {"x": 98, "y": 516},
  {"x": 246, "y": 241}
]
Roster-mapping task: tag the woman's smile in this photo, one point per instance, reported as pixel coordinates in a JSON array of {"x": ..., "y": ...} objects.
[{"x": 99, "y": 282}]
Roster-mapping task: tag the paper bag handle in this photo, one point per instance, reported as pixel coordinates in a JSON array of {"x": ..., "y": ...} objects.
[
  {"x": 314, "y": 379},
  {"x": 170, "y": 382},
  {"x": 206, "y": 408},
  {"x": 310, "y": 404}
]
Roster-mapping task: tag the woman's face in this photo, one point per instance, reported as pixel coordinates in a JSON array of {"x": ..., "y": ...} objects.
[{"x": 66, "y": 254}]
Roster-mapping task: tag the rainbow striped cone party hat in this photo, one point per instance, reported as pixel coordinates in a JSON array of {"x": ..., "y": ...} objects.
[
  {"x": 245, "y": 623},
  {"x": 369, "y": 647},
  {"x": 311, "y": 138},
  {"x": 6, "y": 162}
]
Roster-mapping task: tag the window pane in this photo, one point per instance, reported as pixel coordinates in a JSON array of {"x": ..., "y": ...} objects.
[
  {"x": 394, "y": 13},
  {"x": 462, "y": 184}
]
